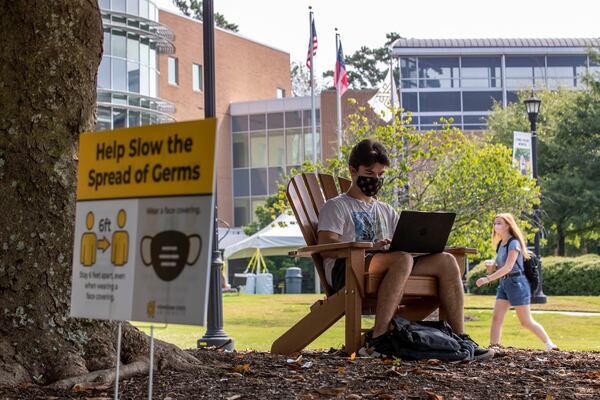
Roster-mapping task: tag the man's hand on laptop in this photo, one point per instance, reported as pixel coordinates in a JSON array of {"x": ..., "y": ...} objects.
[{"x": 381, "y": 244}]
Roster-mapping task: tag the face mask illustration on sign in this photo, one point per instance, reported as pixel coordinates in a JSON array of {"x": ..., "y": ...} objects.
[{"x": 169, "y": 251}]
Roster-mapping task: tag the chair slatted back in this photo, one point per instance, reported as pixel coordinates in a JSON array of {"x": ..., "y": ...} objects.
[
  {"x": 306, "y": 194},
  {"x": 314, "y": 189},
  {"x": 297, "y": 197},
  {"x": 328, "y": 184},
  {"x": 344, "y": 184}
]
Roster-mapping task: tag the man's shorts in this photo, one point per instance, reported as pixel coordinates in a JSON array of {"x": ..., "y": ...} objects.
[
  {"x": 515, "y": 289},
  {"x": 338, "y": 274}
]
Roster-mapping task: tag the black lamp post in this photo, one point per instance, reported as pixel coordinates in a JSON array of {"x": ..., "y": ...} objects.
[
  {"x": 215, "y": 335},
  {"x": 532, "y": 104}
]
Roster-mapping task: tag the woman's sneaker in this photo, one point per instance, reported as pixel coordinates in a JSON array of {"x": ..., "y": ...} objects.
[
  {"x": 479, "y": 353},
  {"x": 376, "y": 347}
]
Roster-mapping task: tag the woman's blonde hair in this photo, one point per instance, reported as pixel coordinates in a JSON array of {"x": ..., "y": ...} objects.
[{"x": 514, "y": 230}]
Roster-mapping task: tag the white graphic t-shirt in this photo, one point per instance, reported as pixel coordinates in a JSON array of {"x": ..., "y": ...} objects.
[{"x": 356, "y": 221}]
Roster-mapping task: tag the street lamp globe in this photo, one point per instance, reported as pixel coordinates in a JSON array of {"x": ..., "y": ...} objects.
[{"x": 532, "y": 104}]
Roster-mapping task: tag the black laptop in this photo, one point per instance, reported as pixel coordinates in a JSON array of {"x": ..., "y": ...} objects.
[{"x": 422, "y": 232}]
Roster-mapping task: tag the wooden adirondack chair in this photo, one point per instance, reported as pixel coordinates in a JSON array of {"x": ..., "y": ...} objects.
[{"x": 307, "y": 193}]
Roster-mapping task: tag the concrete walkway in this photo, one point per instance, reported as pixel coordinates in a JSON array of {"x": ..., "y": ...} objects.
[{"x": 569, "y": 313}]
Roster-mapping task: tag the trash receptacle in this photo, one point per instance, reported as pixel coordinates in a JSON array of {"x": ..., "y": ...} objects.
[{"x": 293, "y": 280}]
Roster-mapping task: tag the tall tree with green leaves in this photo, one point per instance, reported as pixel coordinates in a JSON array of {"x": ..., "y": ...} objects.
[
  {"x": 300, "y": 77},
  {"x": 193, "y": 8},
  {"x": 568, "y": 132},
  {"x": 367, "y": 67},
  {"x": 48, "y": 97},
  {"x": 443, "y": 171}
]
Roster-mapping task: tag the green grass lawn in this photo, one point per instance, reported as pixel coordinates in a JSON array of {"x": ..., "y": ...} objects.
[{"x": 254, "y": 322}]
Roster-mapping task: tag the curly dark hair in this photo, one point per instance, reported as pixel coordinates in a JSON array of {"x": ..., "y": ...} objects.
[{"x": 368, "y": 152}]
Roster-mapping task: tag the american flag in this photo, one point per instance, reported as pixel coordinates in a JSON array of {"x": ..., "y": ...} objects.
[
  {"x": 313, "y": 42},
  {"x": 340, "y": 77}
]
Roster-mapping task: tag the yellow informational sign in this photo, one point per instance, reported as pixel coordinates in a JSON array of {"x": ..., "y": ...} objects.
[
  {"x": 144, "y": 223},
  {"x": 159, "y": 160}
]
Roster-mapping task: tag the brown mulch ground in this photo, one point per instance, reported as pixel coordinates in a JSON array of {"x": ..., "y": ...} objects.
[{"x": 512, "y": 374}]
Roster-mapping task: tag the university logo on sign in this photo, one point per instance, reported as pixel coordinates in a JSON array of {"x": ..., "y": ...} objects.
[{"x": 144, "y": 223}]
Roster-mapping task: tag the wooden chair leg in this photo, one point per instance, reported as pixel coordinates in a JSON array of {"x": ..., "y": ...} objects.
[
  {"x": 320, "y": 318},
  {"x": 353, "y": 293}
]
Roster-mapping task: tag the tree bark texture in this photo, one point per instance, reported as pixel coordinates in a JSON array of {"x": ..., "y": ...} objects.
[{"x": 49, "y": 56}]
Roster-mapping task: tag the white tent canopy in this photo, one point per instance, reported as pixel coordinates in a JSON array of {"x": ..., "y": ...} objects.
[{"x": 272, "y": 240}]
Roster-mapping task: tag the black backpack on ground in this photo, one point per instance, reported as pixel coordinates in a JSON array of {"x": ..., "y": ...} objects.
[
  {"x": 532, "y": 267},
  {"x": 426, "y": 340}
]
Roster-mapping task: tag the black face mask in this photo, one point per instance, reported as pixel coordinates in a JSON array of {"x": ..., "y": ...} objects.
[{"x": 369, "y": 185}]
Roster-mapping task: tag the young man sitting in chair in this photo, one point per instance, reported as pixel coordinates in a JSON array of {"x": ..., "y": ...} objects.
[{"x": 357, "y": 216}]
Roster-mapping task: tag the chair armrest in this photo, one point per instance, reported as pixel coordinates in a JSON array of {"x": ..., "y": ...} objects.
[
  {"x": 319, "y": 248},
  {"x": 460, "y": 250}
]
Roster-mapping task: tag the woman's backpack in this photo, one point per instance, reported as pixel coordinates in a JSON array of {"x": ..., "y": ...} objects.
[{"x": 532, "y": 267}]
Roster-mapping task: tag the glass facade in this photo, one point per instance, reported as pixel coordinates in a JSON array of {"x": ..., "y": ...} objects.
[
  {"x": 265, "y": 147},
  {"x": 465, "y": 87},
  {"x": 128, "y": 74}
]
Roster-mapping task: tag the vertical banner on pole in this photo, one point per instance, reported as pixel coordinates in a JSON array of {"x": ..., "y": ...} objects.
[{"x": 522, "y": 156}]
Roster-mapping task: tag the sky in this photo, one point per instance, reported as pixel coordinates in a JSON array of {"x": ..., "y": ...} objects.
[{"x": 283, "y": 24}]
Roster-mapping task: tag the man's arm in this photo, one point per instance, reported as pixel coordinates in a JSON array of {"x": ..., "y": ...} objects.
[{"x": 326, "y": 237}]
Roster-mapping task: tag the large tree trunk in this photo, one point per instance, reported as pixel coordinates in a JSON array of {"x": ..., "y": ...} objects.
[{"x": 50, "y": 52}]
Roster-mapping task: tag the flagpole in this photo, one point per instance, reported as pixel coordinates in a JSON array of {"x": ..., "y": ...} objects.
[
  {"x": 393, "y": 106},
  {"x": 338, "y": 99},
  {"x": 313, "y": 112}
]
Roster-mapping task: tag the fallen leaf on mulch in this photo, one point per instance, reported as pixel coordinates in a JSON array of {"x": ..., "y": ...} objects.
[
  {"x": 353, "y": 356},
  {"x": 241, "y": 368},
  {"x": 593, "y": 375},
  {"x": 331, "y": 391},
  {"x": 433, "y": 396},
  {"x": 234, "y": 397},
  {"x": 87, "y": 386},
  {"x": 549, "y": 397}
]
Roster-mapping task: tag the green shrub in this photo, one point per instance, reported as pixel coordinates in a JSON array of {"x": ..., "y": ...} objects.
[
  {"x": 477, "y": 272},
  {"x": 575, "y": 276}
]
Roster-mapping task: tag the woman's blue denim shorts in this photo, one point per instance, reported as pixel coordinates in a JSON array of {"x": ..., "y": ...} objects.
[{"x": 515, "y": 289}]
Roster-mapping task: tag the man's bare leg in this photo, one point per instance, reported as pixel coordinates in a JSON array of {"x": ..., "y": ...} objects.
[
  {"x": 397, "y": 267},
  {"x": 445, "y": 268}
]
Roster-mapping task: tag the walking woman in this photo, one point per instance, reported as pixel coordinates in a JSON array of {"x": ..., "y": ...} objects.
[{"x": 514, "y": 289}]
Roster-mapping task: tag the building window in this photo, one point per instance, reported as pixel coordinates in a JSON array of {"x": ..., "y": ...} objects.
[
  {"x": 480, "y": 101},
  {"x": 280, "y": 93},
  {"x": 293, "y": 139},
  {"x": 173, "y": 71},
  {"x": 241, "y": 182},
  {"x": 293, "y": 119},
  {"x": 438, "y": 72},
  {"x": 258, "y": 182},
  {"x": 565, "y": 71},
  {"x": 240, "y": 151},
  {"x": 525, "y": 72},
  {"x": 275, "y": 121},
  {"x": 439, "y": 101},
  {"x": 481, "y": 72},
  {"x": 276, "y": 148},
  {"x": 239, "y": 123},
  {"x": 197, "y": 77},
  {"x": 258, "y": 149},
  {"x": 409, "y": 102},
  {"x": 241, "y": 212}
]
